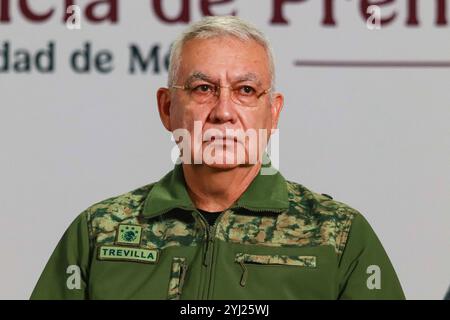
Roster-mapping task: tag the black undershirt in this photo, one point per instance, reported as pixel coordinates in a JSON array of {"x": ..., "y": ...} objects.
[{"x": 211, "y": 217}]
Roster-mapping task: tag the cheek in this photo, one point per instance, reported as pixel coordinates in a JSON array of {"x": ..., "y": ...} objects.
[
  {"x": 257, "y": 119},
  {"x": 184, "y": 116}
]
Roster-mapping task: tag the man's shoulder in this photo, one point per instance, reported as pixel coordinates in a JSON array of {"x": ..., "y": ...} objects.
[
  {"x": 126, "y": 207},
  {"x": 328, "y": 220},
  {"x": 301, "y": 198}
]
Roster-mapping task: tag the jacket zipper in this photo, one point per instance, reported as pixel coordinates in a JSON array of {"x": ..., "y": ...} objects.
[
  {"x": 204, "y": 263},
  {"x": 212, "y": 233},
  {"x": 208, "y": 256}
]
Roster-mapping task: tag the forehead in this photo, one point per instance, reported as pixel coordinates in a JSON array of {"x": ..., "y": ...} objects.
[{"x": 224, "y": 58}]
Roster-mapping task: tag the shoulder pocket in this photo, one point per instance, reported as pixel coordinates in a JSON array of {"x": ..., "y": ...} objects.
[
  {"x": 272, "y": 260},
  {"x": 177, "y": 275}
]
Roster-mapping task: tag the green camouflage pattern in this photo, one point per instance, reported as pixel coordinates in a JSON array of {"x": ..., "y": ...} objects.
[
  {"x": 176, "y": 280},
  {"x": 275, "y": 224},
  {"x": 301, "y": 261},
  {"x": 311, "y": 220},
  {"x": 163, "y": 232}
]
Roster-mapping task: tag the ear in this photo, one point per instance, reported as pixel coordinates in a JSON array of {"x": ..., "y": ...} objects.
[
  {"x": 275, "y": 108},
  {"x": 164, "y": 102}
]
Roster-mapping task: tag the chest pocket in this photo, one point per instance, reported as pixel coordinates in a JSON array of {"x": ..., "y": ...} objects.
[{"x": 276, "y": 261}]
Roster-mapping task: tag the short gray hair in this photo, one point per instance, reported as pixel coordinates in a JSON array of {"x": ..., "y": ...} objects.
[{"x": 218, "y": 26}]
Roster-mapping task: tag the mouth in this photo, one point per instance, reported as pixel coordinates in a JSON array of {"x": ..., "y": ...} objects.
[
  {"x": 222, "y": 140},
  {"x": 226, "y": 139}
]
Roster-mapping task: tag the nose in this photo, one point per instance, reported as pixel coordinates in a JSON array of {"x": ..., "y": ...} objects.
[{"x": 224, "y": 109}]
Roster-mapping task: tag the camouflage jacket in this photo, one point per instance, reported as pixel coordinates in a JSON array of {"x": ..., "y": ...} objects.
[{"x": 278, "y": 241}]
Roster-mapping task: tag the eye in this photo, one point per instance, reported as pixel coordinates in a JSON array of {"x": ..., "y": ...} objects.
[
  {"x": 247, "y": 90},
  {"x": 203, "y": 88}
]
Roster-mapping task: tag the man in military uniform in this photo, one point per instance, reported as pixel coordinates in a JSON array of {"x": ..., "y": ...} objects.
[{"x": 213, "y": 229}]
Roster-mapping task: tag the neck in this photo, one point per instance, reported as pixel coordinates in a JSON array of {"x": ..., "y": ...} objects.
[{"x": 214, "y": 189}]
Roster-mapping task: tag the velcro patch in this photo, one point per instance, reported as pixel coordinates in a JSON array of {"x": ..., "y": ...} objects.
[
  {"x": 129, "y": 234},
  {"x": 121, "y": 253}
]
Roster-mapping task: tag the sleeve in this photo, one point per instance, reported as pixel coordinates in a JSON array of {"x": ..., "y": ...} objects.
[
  {"x": 66, "y": 274},
  {"x": 365, "y": 271},
  {"x": 447, "y": 295}
]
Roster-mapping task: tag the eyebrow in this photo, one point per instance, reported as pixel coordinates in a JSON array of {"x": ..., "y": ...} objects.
[
  {"x": 250, "y": 76},
  {"x": 197, "y": 75}
]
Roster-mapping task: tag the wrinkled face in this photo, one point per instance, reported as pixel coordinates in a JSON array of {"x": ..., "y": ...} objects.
[{"x": 221, "y": 102}]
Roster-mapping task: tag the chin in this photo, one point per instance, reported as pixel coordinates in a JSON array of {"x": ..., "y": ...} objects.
[
  {"x": 222, "y": 166},
  {"x": 227, "y": 161}
]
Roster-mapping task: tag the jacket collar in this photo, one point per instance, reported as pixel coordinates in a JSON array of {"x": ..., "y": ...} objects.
[{"x": 265, "y": 193}]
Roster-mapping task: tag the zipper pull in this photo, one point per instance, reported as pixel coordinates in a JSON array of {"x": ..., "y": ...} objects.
[
  {"x": 244, "y": 274},
  {"x": 209, "y": 242},
  {"x": 205, "y": 254}
]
